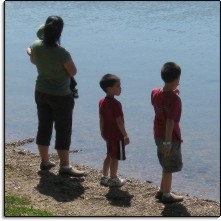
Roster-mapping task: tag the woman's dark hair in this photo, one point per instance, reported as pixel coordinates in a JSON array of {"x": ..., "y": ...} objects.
[
  {"x": 52, "y": 31},
  {"x": 108, "y": 80},
  {"x": 170, "y": 72}
]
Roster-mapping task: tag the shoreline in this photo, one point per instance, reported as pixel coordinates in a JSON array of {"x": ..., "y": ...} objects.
[
  {"x": 27, "y": 141},
  {"x": 47, "y": 190}
]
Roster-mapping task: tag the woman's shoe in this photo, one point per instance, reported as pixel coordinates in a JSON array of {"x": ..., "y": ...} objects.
[
  {"x": 71, "y": 172},
  {"x": 47, "y": 166}
]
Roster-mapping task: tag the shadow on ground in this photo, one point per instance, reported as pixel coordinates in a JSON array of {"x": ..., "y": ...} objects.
[
  {"x": 61, "y": 188},
  {"x": 175, "y": 209},
  {"x": 118, "y": 197}
]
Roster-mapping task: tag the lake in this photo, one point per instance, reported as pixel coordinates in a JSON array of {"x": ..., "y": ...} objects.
[{"x": 133, "y": 40}]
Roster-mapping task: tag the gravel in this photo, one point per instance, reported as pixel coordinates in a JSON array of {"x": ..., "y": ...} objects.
[{"x": 65, "y": 196}]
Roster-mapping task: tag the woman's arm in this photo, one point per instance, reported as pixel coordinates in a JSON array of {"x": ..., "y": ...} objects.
[
  {"x": 29, "y": 52},
  {"x": 70, "y": 68}
]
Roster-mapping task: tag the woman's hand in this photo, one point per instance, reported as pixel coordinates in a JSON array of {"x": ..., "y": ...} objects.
[{"x": 29, "y": 51}]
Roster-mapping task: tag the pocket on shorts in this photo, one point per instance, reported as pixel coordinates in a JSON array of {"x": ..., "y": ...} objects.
[{"x": 174, "y": 163}]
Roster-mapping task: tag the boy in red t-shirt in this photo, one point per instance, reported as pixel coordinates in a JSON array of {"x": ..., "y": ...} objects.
[
  {"x": 112, "y": 130},
  {"x": 167, "y": 106}
]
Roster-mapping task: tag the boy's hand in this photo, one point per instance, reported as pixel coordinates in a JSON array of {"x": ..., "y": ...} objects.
[
  {"x": 126, "y": 140},
  {"x": 167, "y": 149}
]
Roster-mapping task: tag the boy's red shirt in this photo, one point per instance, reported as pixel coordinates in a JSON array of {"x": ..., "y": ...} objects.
[
  {"x": 110, "y": 109},
  {"x": 167, "y": 105}
]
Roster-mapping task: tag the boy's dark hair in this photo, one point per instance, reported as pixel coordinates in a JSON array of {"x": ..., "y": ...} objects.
[
  {"x": 52, "y": 31},
  {"x": 108, "y": 80},
  {"x": 170, "y": 72}
]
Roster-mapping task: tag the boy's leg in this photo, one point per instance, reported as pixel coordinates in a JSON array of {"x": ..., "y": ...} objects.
[
  {"x": 116, "y": 152},
  {"x": 113, "y": 168},
  {"x": 114, "y": 179},
  {"x": 170, "y": 164},
  {"x": 106, "y": 168},
  {"x": 106, "y": 165},
  {"x": 167, "y": 196},
  {"x": 166, "y": 182}
]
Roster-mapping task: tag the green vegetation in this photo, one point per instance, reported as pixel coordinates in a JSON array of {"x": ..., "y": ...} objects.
[{"x": 20, "y": 206}]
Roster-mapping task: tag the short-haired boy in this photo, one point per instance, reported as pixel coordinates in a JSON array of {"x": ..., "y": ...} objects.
[
  {"x": 167, "y": 106},
  {"x": 112, "y": 130}
]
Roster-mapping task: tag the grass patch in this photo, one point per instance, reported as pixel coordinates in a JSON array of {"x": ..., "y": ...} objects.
[{"x": 20, "y": 206}]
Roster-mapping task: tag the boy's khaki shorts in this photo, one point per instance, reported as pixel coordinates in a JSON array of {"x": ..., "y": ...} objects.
[{"x": 173, "y": 162}]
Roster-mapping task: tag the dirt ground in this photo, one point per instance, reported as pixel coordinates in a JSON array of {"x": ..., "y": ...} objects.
[{"x": 65, "y": 196}]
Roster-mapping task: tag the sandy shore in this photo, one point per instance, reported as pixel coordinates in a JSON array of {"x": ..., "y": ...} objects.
[{"x": 65, "y": 196}]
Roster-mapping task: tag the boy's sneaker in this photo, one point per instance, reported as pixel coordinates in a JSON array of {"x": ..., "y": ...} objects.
[
  {"x": 47, "y": 166},
  {"x": 71, "y": 172},
  {"x": 159, "y": 195},
  {"x": 104, "y": 180},
  {"x": 172, "y": 198},
  {"x": 116, "y": 182}
]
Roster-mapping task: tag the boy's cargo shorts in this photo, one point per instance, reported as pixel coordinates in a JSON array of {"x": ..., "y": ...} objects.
[
  {"x": 173, "y": 162},
  {"x": 116, "y": 149}
]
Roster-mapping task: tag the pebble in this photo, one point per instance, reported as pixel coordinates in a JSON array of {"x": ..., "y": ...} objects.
[
  {"x": 98, "y": 197},
  {"x": 21, "y": 152}
]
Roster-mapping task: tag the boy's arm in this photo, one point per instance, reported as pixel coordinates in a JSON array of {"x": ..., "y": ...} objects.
[
  {"x": 120, "y": 124},
  {"x": 168, "y": 136},
  {"x": 101, "y": 125}
]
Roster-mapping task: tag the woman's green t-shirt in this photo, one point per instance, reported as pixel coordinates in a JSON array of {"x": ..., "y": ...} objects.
[{"x": 52, "y": 76}]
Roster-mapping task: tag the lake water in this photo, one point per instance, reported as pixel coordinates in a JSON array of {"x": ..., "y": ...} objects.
[{"x": 132, "y": 40}]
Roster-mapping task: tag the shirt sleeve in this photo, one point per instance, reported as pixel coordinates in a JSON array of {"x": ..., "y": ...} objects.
[
  {"x": 99, "y": 105},
  {"x": 173, "y": 108},
  {"x": 34, "y": 44},
  {"x": 66, "y": 56},
  {"x": 117, "y": 110},
  {"x": 152, "y": 94}
]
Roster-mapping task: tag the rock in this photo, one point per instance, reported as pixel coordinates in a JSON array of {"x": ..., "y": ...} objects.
[{"x": 21, "y": 152}]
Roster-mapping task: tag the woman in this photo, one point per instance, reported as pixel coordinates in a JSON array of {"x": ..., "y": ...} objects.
[{"x": 53, "y": 96}]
